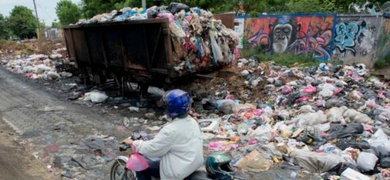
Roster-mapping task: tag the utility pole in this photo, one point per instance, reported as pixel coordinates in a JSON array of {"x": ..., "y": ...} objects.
[
  {"x": 144, "y": 4},
  {"x": 36, "y": 14}
]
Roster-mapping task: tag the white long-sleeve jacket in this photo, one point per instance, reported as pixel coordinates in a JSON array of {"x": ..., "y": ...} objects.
[{"x": 179, "y": 144}]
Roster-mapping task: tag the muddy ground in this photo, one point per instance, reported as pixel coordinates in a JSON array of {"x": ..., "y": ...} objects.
[{"x": 16, "y": 162}]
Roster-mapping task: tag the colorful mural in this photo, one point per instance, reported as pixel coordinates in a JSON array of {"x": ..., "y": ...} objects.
[
  {"x": 355, "y": 36},
  {"x": 299, "y": 34}
]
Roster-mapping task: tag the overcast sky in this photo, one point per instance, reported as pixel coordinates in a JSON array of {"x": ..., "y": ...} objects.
[{"x": 46, "y": 8}]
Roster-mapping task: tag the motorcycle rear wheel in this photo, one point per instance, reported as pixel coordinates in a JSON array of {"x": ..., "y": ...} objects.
[{"x": 119, "y": 171}]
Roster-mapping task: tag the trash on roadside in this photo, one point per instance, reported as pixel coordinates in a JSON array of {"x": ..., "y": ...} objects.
[
  {"x": 95, "y": 96},
  {"x": 254, "y": 162}
]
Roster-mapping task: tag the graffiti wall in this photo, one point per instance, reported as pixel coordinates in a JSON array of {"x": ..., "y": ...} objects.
[
  {"x": 355, "y": 38},
  {"x": 298, "y": 34}
]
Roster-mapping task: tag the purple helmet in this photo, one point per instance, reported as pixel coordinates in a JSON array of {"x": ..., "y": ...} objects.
[{"x": 178, "y": 102}]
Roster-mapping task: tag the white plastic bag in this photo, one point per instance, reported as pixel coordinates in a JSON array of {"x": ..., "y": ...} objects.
[
  {"x": 309, "y": 119},
  {"x": 357, "y": 117},
  {"x": 380, "y": 143},
  {"x": 263, "y": 132},
  {"x": 366, "y": 161},
  {"x": 95, "y": 96},
  {"x": 335, "y": 114}
]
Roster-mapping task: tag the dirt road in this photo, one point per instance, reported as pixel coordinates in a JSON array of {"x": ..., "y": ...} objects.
[{"x": 15, "y": 162}]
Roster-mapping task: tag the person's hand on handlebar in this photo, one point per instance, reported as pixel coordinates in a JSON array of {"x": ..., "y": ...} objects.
[{"x": 128, "y": 141}]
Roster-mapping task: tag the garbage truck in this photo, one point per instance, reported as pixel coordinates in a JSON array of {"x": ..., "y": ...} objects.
[{"x": 139, "y": 51}]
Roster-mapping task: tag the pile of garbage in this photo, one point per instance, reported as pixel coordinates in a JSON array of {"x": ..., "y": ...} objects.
[
  {"x": 38, "y": 66},
  {"x": 329, "y": 120},
  {"x": 199, "y": 40}
]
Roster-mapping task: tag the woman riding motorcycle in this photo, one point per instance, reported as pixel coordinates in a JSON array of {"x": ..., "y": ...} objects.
[{"x": 179, "y": 144}]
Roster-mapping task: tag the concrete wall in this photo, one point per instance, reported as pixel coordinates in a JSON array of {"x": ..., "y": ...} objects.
[
  {"x": 347, "y": 38},
  {"x": 384, "y": 38},
  {"x": 356, "y": 38}
]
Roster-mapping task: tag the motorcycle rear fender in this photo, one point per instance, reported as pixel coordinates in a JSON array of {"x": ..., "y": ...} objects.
[{"x": 123, "y": 158}]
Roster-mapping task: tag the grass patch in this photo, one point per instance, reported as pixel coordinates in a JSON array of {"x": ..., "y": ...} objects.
[
  {"x": 382, "y": 62},
  {"x": 288, "y": 59},
  {"x": 285, "y": 59}
]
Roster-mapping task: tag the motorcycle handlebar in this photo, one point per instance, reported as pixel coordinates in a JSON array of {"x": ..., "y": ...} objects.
[{"x": 123, "y": 147}]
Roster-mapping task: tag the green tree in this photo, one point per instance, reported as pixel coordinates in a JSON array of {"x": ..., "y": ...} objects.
[
  {"x": 252, "y": 7},
  {"x": 55, "y": 24},
  {"x": 67, "y": 12},
  {"x": 4, "y": 29},
  {"x": 91, "y": 8},
  {"x": 22, "y": 22}
]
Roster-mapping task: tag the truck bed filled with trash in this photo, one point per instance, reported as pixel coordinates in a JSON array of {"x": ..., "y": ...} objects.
[{"x": 197, "y": 41}]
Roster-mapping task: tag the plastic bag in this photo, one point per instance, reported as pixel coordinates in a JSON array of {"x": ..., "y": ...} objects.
[
  {"x": 286, "y": 89},
  {"x": 358, "y": 117},
  {"x": 263, "y": 132},
  {"x": 315, "y": 162},
  {"x": 309, "y": 89},
  {"x": 327, "y": 90},
  {"x": 335, "y": 114},
  {"x": 381, "y": 147},
  {"x": 177, "y": 7},
  {"x": 384, "y": 116},
  {"x": 350, "y": 130},
  {"x": 371, "y": 103},
  {"x": 309, "y": 119},
  {"x": 306, "y": 109},
  {"x": 136, "y": 162},
  {"x": 226, "y": 106},
  {"x": 176, "y": 30},
  {"x": 95, "y": 96},
  {"x": 385, "y": 162},
  {"x": 152, "y": 12},
  {"x": 166, "y": 15},
  {"x": 344, "y": 144},
  {"x": 98, "y": 97},
  {"x": 254, "y": 162},
  {"x": 366, "y": 161},
  {"x": 217, "y": 53},
  {"x": 335, "y": 102}
]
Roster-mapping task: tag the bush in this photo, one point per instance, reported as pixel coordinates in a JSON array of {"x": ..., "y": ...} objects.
[{"x": 382, "y": 62}]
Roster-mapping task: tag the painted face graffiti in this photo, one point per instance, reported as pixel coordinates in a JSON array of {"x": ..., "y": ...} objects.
[
  {"x": 281, "y": 38},
  {"x": 283, "y": 33}
]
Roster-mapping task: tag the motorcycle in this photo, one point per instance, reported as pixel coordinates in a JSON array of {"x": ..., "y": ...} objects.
[{"x": 119, "y": 171}]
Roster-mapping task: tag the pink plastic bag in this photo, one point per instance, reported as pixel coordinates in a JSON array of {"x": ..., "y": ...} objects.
[
  {"x": 166, "y": 15},
  {"x": 136, "y": 162},
  {"x": 302, "y": 99},
  {"x": 309, "y": 89},
  {"x": 337, "y": 90},
  {"x": 215, "y": 146},
  {"x": 258, "y": 112}
]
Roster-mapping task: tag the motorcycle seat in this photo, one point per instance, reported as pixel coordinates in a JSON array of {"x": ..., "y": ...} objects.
[{"x": 198, "y": 175}]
